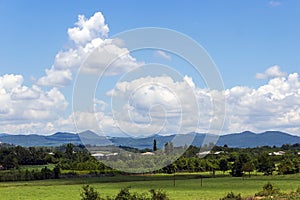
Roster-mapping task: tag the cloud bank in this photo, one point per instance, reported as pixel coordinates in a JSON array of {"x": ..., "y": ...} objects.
[
  {"x": 155, "y": 104},
  {"x": 28, "y": 109}
]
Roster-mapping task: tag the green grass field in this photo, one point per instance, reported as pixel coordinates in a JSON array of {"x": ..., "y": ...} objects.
[{"x": 187, "y": 186}]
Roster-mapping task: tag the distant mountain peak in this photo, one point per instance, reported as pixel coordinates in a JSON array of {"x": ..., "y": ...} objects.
[
  {"x": 250, "y": 139},
  {"x": 248, "y": 132},
  {"x": 62, "y": 133},
  {"x": 240, "y": 140},
  {"x": 87, "y": 132}
]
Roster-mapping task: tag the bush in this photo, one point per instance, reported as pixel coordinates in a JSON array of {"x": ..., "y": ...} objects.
[
  {"x": 158, "y": 195},
  {"x": 268, "y": 190},
  {"x": 232, "y": 196},
  {"x": 124, "y": 194},
  {"x": 89, "y": 193}
]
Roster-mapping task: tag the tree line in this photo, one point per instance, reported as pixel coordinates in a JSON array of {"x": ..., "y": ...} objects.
[
  {"x": 69, "y": 158},
  {"x": 240, "y": 161}
]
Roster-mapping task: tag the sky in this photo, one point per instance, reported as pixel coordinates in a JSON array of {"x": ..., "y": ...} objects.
[{"x": 254, "y": 45}]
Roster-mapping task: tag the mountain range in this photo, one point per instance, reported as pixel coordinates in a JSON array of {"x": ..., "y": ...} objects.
[{"x": 239, "y": 140}]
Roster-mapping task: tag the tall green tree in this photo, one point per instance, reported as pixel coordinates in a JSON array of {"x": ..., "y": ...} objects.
[
  {"x": 287, "y": 167},
  {"x": 10, "y": 162},
  {"x": 154, "y": 145},
  {"x": 69, "y": 150},
  {"x": 223, "y": 165},
  {"x": 248, "y": 167},
  {"x": 265, "y": 164},
  {"x": 56, "y": 171},
  {"x": 237, "y": 167}
]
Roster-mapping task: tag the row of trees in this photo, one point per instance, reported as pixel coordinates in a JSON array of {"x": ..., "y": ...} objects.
[
  {"x": 238, "y": 161},
  {"x": 68, "y": 157},
  {"x": 12, "y": 157},
  {"x": 28, "y": 175}
]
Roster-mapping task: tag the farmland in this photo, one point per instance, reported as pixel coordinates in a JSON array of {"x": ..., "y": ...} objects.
[
  {"x": 186, "y": 186},
  {"x": 59, "y": 173}
]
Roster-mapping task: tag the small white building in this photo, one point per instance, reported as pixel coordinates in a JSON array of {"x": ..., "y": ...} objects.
[
  {"x": 98, "y": 155},
  {"x": 101, "y": 155},
  {"x": 278, "y": 153},
  {"x": 219, "y": 152},
  {"x": 203, "y": 153},
  {"x": 112, "y": 154},
  {"x": 148, "y": 154}
]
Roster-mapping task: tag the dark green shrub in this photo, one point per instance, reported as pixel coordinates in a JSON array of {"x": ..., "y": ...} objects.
[
  {"x": 124, "y": 194},
  {"x": 158, "y": 195},
  {"x": 232, "y": 196},
  {"x": 89, "y": 193},
  {"x": 268, "y": 190}
]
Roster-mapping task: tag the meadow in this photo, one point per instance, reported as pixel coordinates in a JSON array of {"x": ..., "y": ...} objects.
[{"x": 186, "y": 186}]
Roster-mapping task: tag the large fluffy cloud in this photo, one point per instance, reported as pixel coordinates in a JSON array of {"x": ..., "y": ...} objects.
[
  {"x": 89, "y": 37},
  {"x": 146, "y": 106},
  {"x": 272, "y": 106},
  {"x": 88, "y": 29},
  {"x": 162, "y": 104},
  {"x": 23, "y": 108},
  {"x": 149, "y": 105}
]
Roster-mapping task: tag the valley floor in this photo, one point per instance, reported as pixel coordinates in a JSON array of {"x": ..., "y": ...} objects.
[{"x": 186, "y": 186}]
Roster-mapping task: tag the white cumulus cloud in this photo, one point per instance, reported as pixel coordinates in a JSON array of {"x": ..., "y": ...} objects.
[
  {"x": 54, "y": 77},
  {"x": 23, "y": 107},
  {"x": 159, "y": 105},
  {"x": 148, "y": 105},
  {"x": 271, "y": 72},
  {"x": 88, "y": 29},
  {"x": 91, "y": 47},
  {"x": 273, "y": 106}
]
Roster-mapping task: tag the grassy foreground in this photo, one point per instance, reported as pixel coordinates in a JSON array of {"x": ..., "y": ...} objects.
[{"x": 187, "y": 186}]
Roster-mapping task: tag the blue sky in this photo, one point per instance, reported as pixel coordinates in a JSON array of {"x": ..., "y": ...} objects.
[{"x": 243, "y": 39}]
